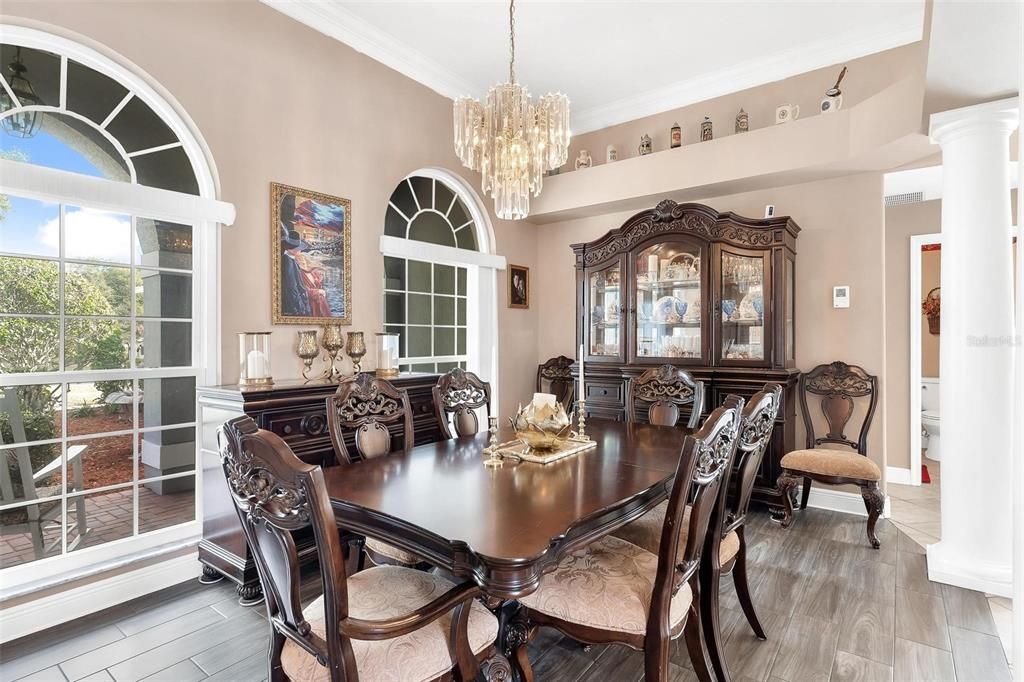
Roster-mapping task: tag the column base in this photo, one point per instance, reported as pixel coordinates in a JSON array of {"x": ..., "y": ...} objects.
[{"x": 947, "y": 564}]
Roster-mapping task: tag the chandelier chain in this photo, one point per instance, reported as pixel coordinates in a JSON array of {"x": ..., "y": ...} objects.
[{"x": 512, "y": 41}]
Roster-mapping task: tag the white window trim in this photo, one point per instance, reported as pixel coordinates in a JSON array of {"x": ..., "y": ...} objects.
[
  {"x": 481, "y": 277},
  {"x": 204, "y": 212}
]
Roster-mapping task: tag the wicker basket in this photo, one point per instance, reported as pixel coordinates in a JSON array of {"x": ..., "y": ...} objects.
[{"x": 933, "y": 320}]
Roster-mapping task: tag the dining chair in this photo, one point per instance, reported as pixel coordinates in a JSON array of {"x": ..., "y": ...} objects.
[
  {"x": 847, "y": 391},
  {"x": 387, "y": 622},
  {"x": 555, "y": 376},
  {"x": 366, "y": 407},
  {"x": 662, "y": 390},
  {"x": 613, "y": 591},
  {"x": 756, "y": 426},
  {"x": 457, "y": 396}
]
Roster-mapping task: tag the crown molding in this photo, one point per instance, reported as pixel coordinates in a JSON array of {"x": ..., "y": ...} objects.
[
  {"x": 749, "y": 74},
  {"x": 335, "y": 21},
  {"x": 339, "y": 23}
]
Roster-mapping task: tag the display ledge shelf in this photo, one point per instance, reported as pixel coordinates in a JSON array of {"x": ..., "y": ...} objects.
[
  {"x": 686, "y": 284},
  {"x": 879, "y": 133},
  {"x": 759, "y": 322},
  {"x": 681, "y": 325}
]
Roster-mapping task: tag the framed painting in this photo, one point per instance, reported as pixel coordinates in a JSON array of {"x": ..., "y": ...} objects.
[
  {"x": 311, "y": 247},
  {"x": 518, "y": 286}
]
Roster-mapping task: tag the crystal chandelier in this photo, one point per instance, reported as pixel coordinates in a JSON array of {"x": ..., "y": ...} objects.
[{"x": 511, "y": 141}]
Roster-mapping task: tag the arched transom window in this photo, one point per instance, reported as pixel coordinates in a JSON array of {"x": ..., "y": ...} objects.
[{"x": 427, "y": 301}]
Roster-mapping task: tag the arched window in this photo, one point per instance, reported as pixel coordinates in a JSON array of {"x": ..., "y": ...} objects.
[
  {"x": 425, "y": 302},
  {"x": 107, "y": 211}
]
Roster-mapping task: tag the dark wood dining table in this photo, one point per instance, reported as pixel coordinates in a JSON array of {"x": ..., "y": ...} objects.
[{"x": 505, "y": 527}]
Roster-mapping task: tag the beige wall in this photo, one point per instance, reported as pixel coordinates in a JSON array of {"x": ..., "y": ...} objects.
[
  {"x": 841, "y": 242},
  {"x": 930, "y": 278},
  {"x": 278, "y": 101},
  {"x": 900, "y": 223}
]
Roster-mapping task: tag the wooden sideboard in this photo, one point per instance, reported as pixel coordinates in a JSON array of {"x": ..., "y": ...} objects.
[{"x": 296, "y": 411}]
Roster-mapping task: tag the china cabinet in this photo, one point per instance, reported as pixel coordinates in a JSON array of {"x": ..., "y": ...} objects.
[{"x": 710, "y": 292}]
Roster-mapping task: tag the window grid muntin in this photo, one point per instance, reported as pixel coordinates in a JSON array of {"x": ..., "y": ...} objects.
[{"x": 134, "y": 371}]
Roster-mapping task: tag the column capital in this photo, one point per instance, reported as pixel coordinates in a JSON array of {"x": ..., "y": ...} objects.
[{"x": 1001, "y": 116}]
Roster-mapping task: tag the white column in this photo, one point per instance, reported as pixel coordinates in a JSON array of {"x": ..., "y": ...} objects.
[{"x": 976, "y": 356}]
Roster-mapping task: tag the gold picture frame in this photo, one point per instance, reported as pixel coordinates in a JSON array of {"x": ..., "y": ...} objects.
[
  {"x": 311, "y": 257},
  {"x": 518, "y": 286}
]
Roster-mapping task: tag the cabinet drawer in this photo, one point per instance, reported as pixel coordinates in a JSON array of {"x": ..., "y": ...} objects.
[
  {"x": 607, "y": 392},
  {"x": 603, "y": 412},
  {"x": 297, "y": 426}
]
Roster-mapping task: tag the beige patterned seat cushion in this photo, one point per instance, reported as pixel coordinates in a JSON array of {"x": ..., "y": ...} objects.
[
  {"x": 646, "y": 532},
  {"x": 827, "y": 462},
  {"x": 396, "y": 555},
  {"x": 605, "y": 585},
  {"x": 387, "y": 592}
]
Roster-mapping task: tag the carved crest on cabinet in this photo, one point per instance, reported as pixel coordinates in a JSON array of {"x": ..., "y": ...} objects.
[{"x": 669, "y": 216}]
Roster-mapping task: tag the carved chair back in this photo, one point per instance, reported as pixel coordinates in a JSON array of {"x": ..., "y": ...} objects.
[
  {"x": 756, "y": 425},
  {"x": 664, "y": 390},
  {"x": 457, "y": 396},
  {"x": 276, "y": 495},
  {"x": 840, "y": 387},
  {"x": 367, "y": 405},
  {"x": 555, "y": 377},
  {"x": 706, "y": 456}
]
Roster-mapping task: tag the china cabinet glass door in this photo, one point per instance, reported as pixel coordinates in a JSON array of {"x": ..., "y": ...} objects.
[
  {"x": 667, "y": 294},
  {"x": 604, "y": 288},
  {"x": 741, "y": 303}
]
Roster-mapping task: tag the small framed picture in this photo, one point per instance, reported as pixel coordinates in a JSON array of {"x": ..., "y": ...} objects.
[{"x": 518, "y": 286}]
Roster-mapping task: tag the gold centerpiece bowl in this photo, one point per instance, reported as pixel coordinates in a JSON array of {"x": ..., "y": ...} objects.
[{"x": 542, "y": 426}]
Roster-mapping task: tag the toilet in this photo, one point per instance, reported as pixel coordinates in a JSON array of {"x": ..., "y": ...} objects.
[{"x": 930, "y": 418}]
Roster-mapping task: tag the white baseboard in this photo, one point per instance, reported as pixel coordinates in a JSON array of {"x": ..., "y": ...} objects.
[
  {"x": 841, "y": 501},
  {"x": 39, "y": 614},
  {"x": 948, "y": 566},
  {"x": 898, "y": 475}
]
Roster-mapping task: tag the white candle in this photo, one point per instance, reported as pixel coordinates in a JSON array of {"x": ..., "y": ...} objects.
[
  {"x": 582, "y": 395},
  {"x": 652, "y": 268},
  {"x": 255, "y": 365},
  {"x": 542, "y": 399}
]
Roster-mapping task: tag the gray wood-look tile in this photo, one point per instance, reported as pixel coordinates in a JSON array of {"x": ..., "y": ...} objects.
[
  {"x": 749, "y": 656},
  {"x": 868, "y": 630},
  {"x": 921, "y": 618},
  {"x": 914, "y": 661},
  {"x": 807, "y": 651},
  {"x": 51, "y": 674},
  {"x": 968, "y": 609},
  {"x": 912, "y": 574},
  {"x": 851, "y": 668},
  {"x": 842, "y": 596},
  {"x": 978, "y": 656},
  {"x": 183, "y": 671},
  {"x": 905, "y": 543}
]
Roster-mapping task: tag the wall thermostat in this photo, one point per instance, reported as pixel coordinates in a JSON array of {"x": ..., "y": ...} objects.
[
  {"x": 769, "y": 211},
  {"x": 841, "y": 296}
]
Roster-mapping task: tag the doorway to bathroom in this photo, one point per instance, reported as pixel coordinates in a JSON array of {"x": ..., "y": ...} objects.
[{"x": 915, "y": 504}]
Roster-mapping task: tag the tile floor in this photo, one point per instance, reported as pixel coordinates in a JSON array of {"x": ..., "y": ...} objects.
[{"x": 915, "y": 510}]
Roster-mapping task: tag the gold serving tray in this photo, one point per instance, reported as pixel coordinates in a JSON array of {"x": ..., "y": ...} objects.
[{"x": 518, "y": 449}]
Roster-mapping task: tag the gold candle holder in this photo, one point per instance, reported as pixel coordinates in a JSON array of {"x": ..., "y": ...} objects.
[
  {"x": 493, "y": 459},
  {"x": 332, "y": 341},
  {"x": 581, "y": 416},
  {"x": 308, "y": 349},
  {"x": 356, "y": 349}
]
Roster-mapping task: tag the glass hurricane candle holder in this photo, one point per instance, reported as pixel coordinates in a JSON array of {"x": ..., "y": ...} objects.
[
  {"x": 333, "y": 341},
  {"x": 387, "y": 354},
  {"x": 356, "y": 349},
  {"x": 308, "y": 349},
  {"x": 254, "y": 358}
]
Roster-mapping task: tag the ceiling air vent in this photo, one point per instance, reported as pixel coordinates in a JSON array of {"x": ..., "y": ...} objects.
[{"x": 908, "y": 198}]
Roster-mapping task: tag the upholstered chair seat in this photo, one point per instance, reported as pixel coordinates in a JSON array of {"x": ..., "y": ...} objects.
[
  {"x": 392, "y": 553},
  {"x": 645, "y": 532},
  {"x": 607, "y": 585},
  {"x": 831, "y": 462},
  {"x": 389, "y": 592}
]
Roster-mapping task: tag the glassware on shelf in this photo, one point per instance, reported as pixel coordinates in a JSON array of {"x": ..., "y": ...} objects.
[
  {"x": 668, "y": 291},
  {"x": 254, "y": 359},
  {"x": 742, "y": 307},
  {"x": 605, "y": 311}
]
